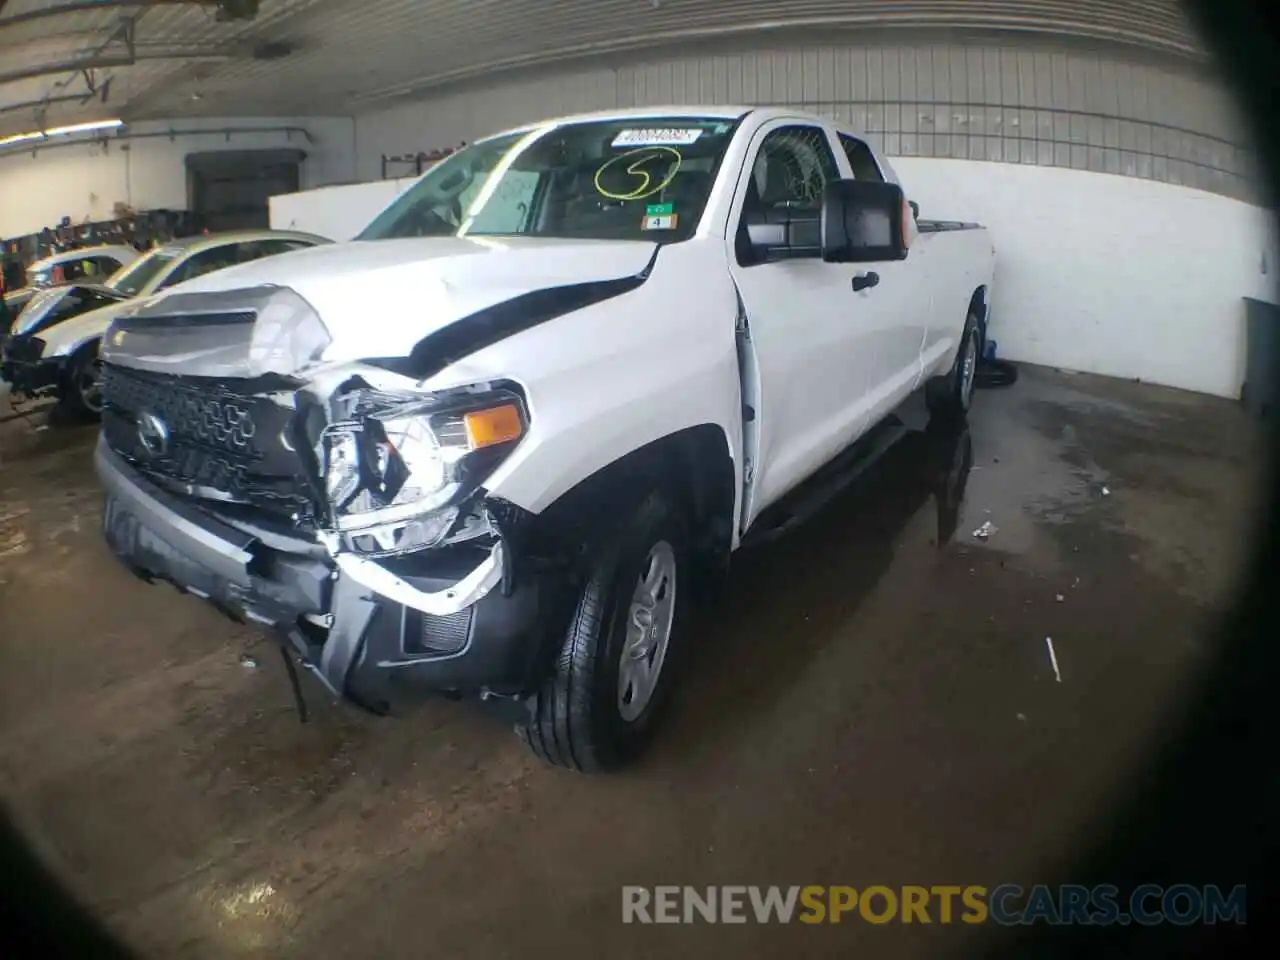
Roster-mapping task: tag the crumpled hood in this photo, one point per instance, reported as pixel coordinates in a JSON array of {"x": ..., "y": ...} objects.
[{"x": 372, "y": 298}]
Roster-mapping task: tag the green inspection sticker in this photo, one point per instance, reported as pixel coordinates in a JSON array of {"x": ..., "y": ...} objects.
[{"x": 659, "y": 210}]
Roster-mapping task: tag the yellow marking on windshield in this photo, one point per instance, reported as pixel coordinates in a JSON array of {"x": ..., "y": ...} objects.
[{"x": 646, "y": 188}]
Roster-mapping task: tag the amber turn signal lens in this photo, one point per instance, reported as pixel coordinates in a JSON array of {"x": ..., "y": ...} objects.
[{"x": 495, "y": 425}]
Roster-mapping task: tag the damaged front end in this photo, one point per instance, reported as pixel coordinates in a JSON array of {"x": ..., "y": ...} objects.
[{"x": 339, "y": 504}]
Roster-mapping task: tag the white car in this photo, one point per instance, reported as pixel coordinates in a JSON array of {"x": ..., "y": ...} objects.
[
  {"x": 54, "y": 347},
  {"x": 89, "y": 264},
  {"x": 494, "y": 446}
]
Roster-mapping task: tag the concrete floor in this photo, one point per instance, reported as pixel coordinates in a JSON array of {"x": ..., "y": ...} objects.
[{"x": 867, "y": 707}]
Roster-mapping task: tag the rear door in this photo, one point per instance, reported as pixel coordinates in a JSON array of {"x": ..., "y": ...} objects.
[
  {"x": 899, "y": 322},
  {"x": 812, "y": 341}
]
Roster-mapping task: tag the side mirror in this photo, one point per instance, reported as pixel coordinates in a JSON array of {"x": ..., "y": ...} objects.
[{"x": 863, "y": 221}]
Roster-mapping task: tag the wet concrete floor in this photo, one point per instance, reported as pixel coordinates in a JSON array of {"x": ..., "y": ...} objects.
[{"x": 867, "y": 706}]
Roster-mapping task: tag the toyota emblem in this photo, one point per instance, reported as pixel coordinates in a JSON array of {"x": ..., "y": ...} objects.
[{"x": 153, "y": 434}]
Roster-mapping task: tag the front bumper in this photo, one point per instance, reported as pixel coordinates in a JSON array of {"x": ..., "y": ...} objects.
[
  {"x": 377, "y": 633},
  {"x": 24, "y": 368}
]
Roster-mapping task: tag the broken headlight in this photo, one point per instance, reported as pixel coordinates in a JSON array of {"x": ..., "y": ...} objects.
[{"x": 396, "y": 467}]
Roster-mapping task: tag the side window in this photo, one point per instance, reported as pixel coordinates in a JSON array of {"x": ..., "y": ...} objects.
[
  {"x": 76, "y": 270},
  {"x": 793, "y": 167},
  {"x": 791, "y": 170},
  {"x": 206, "y": 261},
  {"x": 861, "y": 159},
  {"x": 258, "y": 249},
  {"x": 252, "y": 250}
]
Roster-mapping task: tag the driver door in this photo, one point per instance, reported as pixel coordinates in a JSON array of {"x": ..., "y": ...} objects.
[{"x": 816, "y": 354}]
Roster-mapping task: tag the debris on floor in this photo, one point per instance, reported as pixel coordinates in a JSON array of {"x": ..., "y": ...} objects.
[
  {"x": 1053, "y": 659},
  {"x": 1106, "y": 491},
  {"x": 14, "y": 544},
  {"x": 1059, "y": 597},
  {"x": 248, "y": 662},
  {"x": 985, "y": 531}
]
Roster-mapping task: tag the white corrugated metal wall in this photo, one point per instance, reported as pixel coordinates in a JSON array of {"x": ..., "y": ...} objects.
[{"x": 1009, "y": 100}]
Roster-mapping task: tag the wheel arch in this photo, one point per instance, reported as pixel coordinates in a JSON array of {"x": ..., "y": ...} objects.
[
  {"x": 980, "y": 306},
  {"x": 693, "y": 465}
]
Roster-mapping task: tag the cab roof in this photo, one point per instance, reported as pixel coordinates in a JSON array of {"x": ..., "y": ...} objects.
[{"x": 669, "y": 111}]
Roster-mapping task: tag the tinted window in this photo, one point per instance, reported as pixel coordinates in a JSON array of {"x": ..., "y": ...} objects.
[
  {"x": 77, "y": 301},
  {"x": 257, "y": 249},
  {"x": 206, "y": 261},
  {"x": 105, "y": 266},
  {"x": 77, "y": 270},
  {"x": 861, "y": 159},
  {"x": 132, "y": 279}
]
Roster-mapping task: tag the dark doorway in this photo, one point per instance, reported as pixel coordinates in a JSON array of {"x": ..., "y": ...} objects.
[{"x": 229, "y": 190}]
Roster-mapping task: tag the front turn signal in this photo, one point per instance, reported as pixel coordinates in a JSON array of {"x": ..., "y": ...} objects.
[{"x": 487, "y": 428}]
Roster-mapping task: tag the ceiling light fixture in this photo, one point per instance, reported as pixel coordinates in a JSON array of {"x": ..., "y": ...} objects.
[{"x": 61, "y": 131}]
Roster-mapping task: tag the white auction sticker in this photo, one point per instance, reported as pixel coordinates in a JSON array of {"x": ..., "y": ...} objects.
[
  {"x": 657, "y": 137},
  {"x": 664, "y": 222}
]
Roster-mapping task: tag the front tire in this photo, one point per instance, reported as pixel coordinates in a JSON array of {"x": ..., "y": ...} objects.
[
  {"x": 951, "y": 394},
  {"x": 597, "y": 710},
  {"x": 82, "y": 383}
]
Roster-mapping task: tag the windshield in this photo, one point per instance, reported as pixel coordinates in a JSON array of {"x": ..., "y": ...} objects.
[
  {"x": 132, "y": 279},
  {"x": 634, "y": 179}
]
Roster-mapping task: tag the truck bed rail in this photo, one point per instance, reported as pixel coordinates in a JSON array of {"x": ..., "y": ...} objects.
[{"x": 940, "y": 226}]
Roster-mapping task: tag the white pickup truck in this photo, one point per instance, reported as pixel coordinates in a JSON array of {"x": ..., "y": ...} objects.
[{"x": 495, "y": 445}]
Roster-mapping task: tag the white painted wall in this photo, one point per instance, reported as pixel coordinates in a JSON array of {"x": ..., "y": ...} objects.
[
  {"x": 338, "y": 212},
  {"x": 86, "y": 180},
  {"x": 1108, "y": 274}
]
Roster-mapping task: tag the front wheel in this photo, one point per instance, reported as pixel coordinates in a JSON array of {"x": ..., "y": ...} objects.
[
  {"x": 597, "y": 709},
  {"x": 82, "y": 384}
]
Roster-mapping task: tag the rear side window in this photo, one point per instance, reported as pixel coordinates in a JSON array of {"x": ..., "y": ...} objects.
[
  {"x": 206, "y": 261},
  {"x": 861, "y": 159},
  {"x": 257, "y": 249}
]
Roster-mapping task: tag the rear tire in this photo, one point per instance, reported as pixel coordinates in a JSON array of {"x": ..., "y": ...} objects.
[
  {"x": 81, "y": 393},
  {"x": 598, "y": 708},
  {"x": 951, "y": 394}
]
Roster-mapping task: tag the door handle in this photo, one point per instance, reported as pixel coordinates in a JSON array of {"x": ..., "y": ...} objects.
[{"x": 864, "y": 280}]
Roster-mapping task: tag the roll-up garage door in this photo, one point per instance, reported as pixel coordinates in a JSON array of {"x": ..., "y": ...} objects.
[{"x": 228, "y": 190}]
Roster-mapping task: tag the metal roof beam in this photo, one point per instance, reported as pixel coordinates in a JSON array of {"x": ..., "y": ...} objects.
[
  {"x": 119, "y": 60},
  {"x": 86, "y": 6},
  {"x": 80, "y": 98}
]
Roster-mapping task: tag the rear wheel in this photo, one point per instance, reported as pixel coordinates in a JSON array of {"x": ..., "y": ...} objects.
[
  {"x": 82, "y": 384},
  {"x": 598, "y": 708},
  {"x": 951, "y": 394}
]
